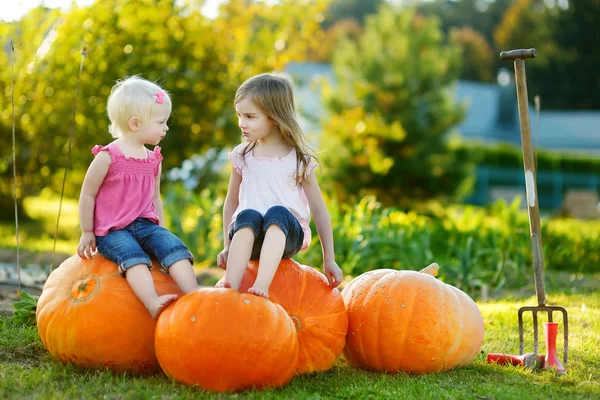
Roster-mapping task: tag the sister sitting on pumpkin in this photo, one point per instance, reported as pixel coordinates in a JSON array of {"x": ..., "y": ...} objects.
[
  {"x": 266, "y": 213},
  {"x": 120, "y": 208}
]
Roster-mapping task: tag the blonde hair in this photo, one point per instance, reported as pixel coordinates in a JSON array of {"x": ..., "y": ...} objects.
[
  {"x": 132, "y": 97},
  {"x": 273, "y": 94}
]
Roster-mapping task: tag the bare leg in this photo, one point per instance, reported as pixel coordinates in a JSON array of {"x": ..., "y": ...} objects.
[
  {"x": 240, "y": 251},
  {"x": 182, "y": 273},
  {"x": 270, "y": 257},
  {"x": 140, "y": 280}
]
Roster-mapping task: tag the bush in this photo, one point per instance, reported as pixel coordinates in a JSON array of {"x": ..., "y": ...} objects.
[{"x": 473, "y": 245}]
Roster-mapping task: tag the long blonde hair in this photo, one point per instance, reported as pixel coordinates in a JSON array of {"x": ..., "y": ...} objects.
[{"x": 273, "y": 94}]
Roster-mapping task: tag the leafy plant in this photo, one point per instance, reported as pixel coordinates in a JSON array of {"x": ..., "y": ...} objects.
[
  {"x": 25, "y": 309},
  {"x": 474, "y": 246}
]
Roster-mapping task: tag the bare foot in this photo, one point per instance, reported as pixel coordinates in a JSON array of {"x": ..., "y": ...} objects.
[
  {"x": 160, "y": 303},
  {"x": 226, "y": 285},
  {"x": 259, "y": 292}
]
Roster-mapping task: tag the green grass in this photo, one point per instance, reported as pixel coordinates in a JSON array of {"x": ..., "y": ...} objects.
[{"x": 27, "y": 371}]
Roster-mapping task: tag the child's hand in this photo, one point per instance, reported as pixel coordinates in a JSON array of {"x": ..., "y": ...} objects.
[
  {"x": 87, "y": 245},
  {"x": 333, "y": 273},
  {"x": 222, "y": 259}
]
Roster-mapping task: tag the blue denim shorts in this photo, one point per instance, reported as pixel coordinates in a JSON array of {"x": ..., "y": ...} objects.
[
  {"x": 139, "y": 241},
  {"x": 278, "y": 215}
]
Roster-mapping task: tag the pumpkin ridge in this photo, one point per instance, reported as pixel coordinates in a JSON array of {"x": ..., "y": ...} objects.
[
  {"x": 459, "y": 330},
  {"x": 466, "y": 301},
  {"x": 373, "y": 292},
  {"x": 311, "y": 318},
  {"x": 47, "y": 323},
  {"x": 360, "y": 353},
  {"x": 321, "y": 344},
  {"x": 404, "y": 329},
  {"x": 308, "y": 308}
]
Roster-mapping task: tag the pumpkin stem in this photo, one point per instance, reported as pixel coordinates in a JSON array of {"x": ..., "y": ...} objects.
[
  {"x": 431, "y": 269},
  {"x": 83, "y": 288},
  {"x": 297, "y": 322}
]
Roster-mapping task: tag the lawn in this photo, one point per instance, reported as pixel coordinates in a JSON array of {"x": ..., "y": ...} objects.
[{"x": 27, "y": 371}]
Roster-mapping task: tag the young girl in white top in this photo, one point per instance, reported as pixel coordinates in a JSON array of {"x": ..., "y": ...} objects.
[{"x": 272, "y": 189}]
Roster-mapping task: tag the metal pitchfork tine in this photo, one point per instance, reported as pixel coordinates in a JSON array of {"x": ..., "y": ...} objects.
[{"x": 519, "y": 56}]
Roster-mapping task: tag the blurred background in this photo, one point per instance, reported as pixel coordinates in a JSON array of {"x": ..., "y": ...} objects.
[{"x": 412, "y": 113}]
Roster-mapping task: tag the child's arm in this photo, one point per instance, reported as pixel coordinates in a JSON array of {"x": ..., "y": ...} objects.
[
  {"x": 323, "y": 224},
  {"x": 87, "y": 200},
  {"x": 158, "y": 205},
  {"x": 229, "y": 207}
]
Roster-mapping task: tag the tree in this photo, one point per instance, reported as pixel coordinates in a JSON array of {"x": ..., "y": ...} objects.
[
  {"x": 31, "y": 29},
  {"x": 482, "y": 16},
  {"x": 357, "y": 10},
  {"x": 343, "y": 29},
  {"x": 578, "y": 63},
  {"x": 529, "y": 23},
  {"x": 201, "y": 62},
  {"x": 390, "y": 112},
  {"x": 477, "y": 56}
]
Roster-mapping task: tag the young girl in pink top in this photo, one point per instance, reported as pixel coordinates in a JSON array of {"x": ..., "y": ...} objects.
[
  {"x": 120, "y": 208},
  {"x": 272, "y": 189}
]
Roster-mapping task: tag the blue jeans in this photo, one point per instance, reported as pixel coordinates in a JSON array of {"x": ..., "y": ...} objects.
[
  {"x": 140, "y": 240},
  {"x": 278, "y": 215}
]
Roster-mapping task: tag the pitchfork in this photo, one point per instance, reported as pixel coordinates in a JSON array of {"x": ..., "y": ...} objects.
[{"x": 519, "y": 57}]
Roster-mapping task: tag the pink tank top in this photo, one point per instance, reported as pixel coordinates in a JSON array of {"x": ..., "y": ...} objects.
[{"x": 127, "y": 190}]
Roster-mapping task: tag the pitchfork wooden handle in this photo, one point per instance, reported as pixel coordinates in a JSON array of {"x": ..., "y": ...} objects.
[{"x": 520, "y": 53}]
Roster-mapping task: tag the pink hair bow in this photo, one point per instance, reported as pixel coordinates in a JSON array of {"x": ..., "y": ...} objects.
[{"x": 160, "y": 97}]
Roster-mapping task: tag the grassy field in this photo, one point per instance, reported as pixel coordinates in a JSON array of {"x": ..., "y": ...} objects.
[{"x": 27, "y": 370}]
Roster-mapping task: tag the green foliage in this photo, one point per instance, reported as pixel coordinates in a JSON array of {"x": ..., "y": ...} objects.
[
  {"x": 390, "y": 111},
  {"x": 564, "y": 72},
  {"x": 507, "y": 156},
  {"x": 199, "y": 61},
  {"x": 481, "y": 16},
  {"x": 343, "y": 29},
  {"x": 477, "y": 55},
  {"x": 196, "y": 218},
  {"x": 25, "y": 308},
  {"x": 356, "y": 10},
  {"x": 472, "y": 245}
]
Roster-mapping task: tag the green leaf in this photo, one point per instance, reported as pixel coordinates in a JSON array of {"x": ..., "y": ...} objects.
[{"x": 25, "y": 309}]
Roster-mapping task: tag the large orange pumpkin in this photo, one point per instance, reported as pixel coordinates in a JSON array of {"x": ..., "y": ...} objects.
[
  {"x": 222, "y": 340},
  {"x": 88, "y": 315},
  {"x": 317, "y": 310},
  {"x": 411, "y": 322}
]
